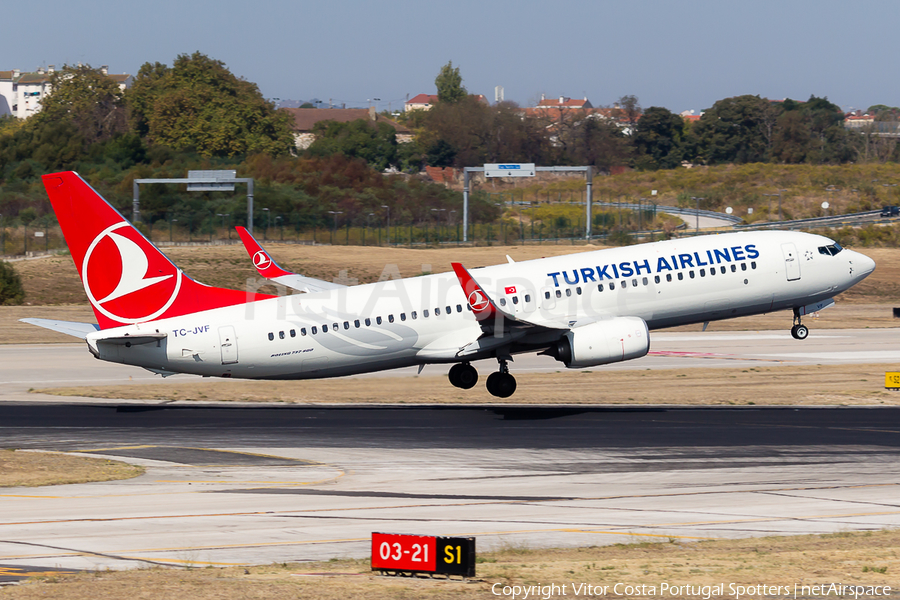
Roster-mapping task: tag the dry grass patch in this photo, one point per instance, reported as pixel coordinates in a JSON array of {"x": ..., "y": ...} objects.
[
  {"x": 869, "y": 558},
  {"x": 33, "y": 469},
  {"x": 803, "y": 385}
]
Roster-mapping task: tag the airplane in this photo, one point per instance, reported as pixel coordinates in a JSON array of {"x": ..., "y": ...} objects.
[{"x": 584, "y": 310}]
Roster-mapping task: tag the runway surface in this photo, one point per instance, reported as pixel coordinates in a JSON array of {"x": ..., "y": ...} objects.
[
  {"x": 239, "y": 485},
  {"x": 23, "y": 367}
]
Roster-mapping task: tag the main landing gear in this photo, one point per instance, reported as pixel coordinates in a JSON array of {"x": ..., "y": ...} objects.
[
  {"x": 463, "y": 375},
  {"x": 500, "y": 384},
  {"x": 799, "y": 331}
]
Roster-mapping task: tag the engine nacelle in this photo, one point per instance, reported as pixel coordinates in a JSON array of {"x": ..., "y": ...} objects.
[{"x": 604, "y": 342}]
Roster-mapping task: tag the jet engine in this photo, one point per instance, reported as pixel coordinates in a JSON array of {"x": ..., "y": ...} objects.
[{"x": 603, "y": 342}]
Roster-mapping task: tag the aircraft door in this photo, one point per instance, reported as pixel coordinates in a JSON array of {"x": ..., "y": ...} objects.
[
  {"x": 228, "y": 344},
  {"x": 791, "y": 261}
]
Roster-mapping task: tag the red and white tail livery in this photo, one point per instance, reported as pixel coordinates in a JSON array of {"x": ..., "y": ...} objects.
[{"x": 585, "y": 309}]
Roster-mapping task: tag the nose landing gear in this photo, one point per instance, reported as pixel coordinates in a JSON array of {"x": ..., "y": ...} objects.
[
  {"x": 799, "y": 331},
  {"x": 501, "y": 383}
]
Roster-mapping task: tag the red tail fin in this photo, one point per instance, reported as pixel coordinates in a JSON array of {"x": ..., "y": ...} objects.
[{"x": 126, "y": 278}]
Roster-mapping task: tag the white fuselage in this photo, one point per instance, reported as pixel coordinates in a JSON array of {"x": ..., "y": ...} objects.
[{"x": 425, "y": 319}]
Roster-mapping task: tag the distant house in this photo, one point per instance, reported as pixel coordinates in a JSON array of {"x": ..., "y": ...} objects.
[
  {"x": 421, "y": 102},
  {"x": 21, "y": 94},
  {"x": 305, "y": 120},
  {"x": 427, "y": 101},
  {"x": 562, "y": 102}
]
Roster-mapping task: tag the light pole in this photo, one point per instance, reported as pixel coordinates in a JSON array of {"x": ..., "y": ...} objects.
[
  {"x": 698, "y": 199},
  {"x": 268, "y": 222},
  {"x": 368, "y": 223},
  {"x": 170, "y": 228},
  {"x": 277, "y": 219},
  {"x": 388, "y": 222},
  {"x": 438, "y": 210},
  {"x": 335, "y": 213},
  {"x": 227, "y": 231}
]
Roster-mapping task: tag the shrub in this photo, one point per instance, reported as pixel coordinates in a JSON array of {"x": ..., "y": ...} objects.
[{"x": 11, "y": 290}]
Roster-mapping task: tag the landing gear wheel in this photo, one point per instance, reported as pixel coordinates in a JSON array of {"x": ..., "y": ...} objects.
[
  {"x": 799, "y": 332},
  {"x": 463, "y": 375},
  {"x": 502, "y": 385}
]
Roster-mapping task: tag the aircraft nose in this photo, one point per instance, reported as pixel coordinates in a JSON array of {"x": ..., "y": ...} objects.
[{"x": 863, "y": 264}]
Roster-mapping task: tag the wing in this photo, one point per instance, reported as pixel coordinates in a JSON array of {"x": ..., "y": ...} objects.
[{"x": 267, "y": 268}]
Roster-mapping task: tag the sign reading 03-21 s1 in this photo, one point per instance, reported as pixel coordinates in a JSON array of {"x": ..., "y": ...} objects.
[{"x": 423, "y": 554}]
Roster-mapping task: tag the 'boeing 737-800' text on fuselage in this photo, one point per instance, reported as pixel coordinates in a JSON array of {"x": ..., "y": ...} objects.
[{"x": 584, "y": 309}]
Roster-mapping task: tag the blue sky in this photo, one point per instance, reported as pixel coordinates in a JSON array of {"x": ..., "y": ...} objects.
[{"x": 680, "y": 55}]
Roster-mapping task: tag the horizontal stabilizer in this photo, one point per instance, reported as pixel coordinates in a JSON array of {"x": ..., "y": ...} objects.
[
  {"x": 73, "y": 328},
  {"x": 134, "y": 340}
]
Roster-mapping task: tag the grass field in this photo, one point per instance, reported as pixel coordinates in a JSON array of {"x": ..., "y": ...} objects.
[
  {"x": 857, "y": 559},
  {"x": 32, "y": 469}
]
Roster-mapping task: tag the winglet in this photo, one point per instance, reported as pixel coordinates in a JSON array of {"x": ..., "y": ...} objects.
[
  {"x": 264, "y": 264},
  {"x": 482, "y": 305}
]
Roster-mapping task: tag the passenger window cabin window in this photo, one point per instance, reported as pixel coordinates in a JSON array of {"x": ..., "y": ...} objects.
[
  {"x": 691, "y": 274},
  {"x": 293, "y": 333},
  {"x": 378, "y": 320},
  {"x": 335, "y": 328},
  {"x": 712, "y": 271},
  {"x": 515, "y": 299},
  {"x": 324, "y": 328},
  {"x": 624, "y": 284},
  {"x": 448, "y": 310},
  {"x": 402, "y": 316},
  {"x": 743, "y": 266},
  {"x": 368, "y": 322},
  {"x": 568, "y": 292},
  {"x": 437, "y": 311},
  {"x": 668, "y": 277},
  {"x": 546, "y": 295},
  {"x": 459, "y": 308},
  {"x": 612, "y": 285},
  {"x": 271, "y": 336},
  {"x": 414, "y": 315},
  {"x": 425, "y": 313},
  {"x": 634, "y": 283},
  {"x": 680, "y": 276},
  {"x": 303, "y": 331},
  {"x": 390, "y": 318},
  {"x": 356, "y": 323},
  {"x": 646, "y": 281},
  {"x": 280, "y": 335},
  {"x": 315, "y": 330},
  {"x": 346, "y": 324},
  {"x": 558, "y": 294},
  {"x": 702, "y": 272},
  {"x": 753, "y": 265},
  {"x": 527, "y": 297},
  {"x": 599, "y": 287},
  {"x": 578, "y": 291},
  {"x": 723, "y": 270},
  {"x": 502, "y": 302},
  {"x": 734, "y": 268}
]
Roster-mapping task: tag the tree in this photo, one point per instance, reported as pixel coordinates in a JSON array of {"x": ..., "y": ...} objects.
[
  {"x": 199, "y": 104},
  {"x": 658, "y": 139},
  {"x": 449, "y": 84},
  {"x": 11, "y": 290},
  {"x": 376, "y": 143},
  {"x": 629, "y": 110},
  {"x": 732, "y": 131},
  {"x": 86, "y": 98}
]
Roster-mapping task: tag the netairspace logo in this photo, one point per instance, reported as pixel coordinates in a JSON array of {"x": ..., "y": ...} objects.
[{"x": 704, "y": 592}]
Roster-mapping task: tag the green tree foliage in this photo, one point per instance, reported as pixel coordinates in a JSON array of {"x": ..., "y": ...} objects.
[
  {"x": 375, "y": 143},
  {"x": 732, "y": 131},
  {"x": 199, "y": 104},
  {"x": 449, "y": 84},
  {"x": 11, "y": 290},
  {"x": 88, "y": 100},
  {"x": 658, "y": 139},
  {"x": 597, "y": 142}
]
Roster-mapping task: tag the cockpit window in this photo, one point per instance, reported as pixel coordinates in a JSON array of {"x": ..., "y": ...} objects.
[{"x": 832, "y": 250}]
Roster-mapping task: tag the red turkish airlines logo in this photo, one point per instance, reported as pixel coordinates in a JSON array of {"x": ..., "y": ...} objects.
[
  {"x": 261, "y": 260},
  {"x": 477, "y": 301},
  {"x": 123, "y": 281}
]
